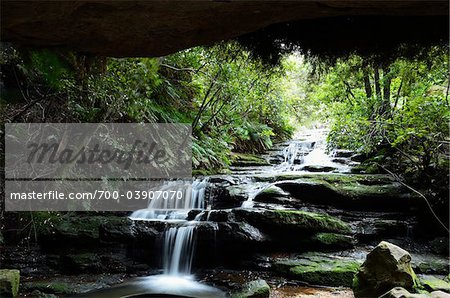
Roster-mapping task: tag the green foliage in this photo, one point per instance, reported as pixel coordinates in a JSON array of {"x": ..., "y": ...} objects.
[
  {"x": 401, "y": 107},
  {"x": 233, "y": 102}
]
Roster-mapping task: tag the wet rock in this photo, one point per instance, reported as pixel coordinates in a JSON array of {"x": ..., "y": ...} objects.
[
  {"x": 343, "y": 153},
  {"x": 47, "y": 288},
  {"x": 225, "y": 180},
  {"x": 272, "y": 194},
  {"x": 366, "y": 168},
  {"x": 278, "y": 223},
  {"x": 9, "y": 282},
  {"x": 378, "y": 228},
  {"x": 341, "y": 160},
  {"x": 219, "y": 215},
  {"x": 399, "y": 292},
  {"x": 357, "y": 192},
  {"x": 333, "y": 241},
  {"x": 432, "y": 283},
  {"x": 430, "y": 264},
  {"x": 254, "y": 289},
  {"x": 386, "y": 266},
  {"x": 319, "y": 269},
  {"x": 229, "y": 197},
  {"x": 248, "y": 160},
  {"x": 317, "y": 168}
]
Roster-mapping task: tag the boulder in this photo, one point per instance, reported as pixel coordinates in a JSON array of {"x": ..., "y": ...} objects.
[
  {"x": 254, "y": 289},
  {"x": 386, "y": 266},
  {"x": 272, "y": 194},
  {"x": 319, "y": 269},
  {"x": 229, "y": 197},
  {"x": 9, "y": 282}
]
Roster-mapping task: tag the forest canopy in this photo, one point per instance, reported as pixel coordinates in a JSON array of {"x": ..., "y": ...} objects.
[{"x": 237, "y": 102}]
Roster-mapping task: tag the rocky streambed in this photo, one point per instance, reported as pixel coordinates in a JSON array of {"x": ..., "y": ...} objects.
[{"x": 296, "y": 222}]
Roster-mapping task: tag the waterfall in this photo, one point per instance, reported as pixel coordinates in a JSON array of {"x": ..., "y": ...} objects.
[
  {"x": 178, "y": 250},
  {"x": 193, "y": 197}
]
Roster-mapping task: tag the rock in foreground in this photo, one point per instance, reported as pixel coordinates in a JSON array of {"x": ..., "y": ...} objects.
[{"x": 386, "y": 266}]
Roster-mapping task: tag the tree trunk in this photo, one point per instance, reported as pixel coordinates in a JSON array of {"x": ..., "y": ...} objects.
[
  {"x": 377, "y": 82},
  {"x": 367, "y": 85},
  {"x": 386, "y": 104}
]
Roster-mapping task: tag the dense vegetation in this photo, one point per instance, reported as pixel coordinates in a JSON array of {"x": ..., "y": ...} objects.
[
  {"x": 396, "y": 109},
  {"x": 232, "y": 101}
]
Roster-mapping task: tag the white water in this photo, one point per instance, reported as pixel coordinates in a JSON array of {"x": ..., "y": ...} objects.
[
  {"x": 178, "y": 250},
  {"x": 309, "y": 149},
  {"x": 193, "y": 197},
  {"x": 178, "y": 242}
]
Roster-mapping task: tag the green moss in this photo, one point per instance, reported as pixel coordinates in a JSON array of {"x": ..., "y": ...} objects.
[
  {"x": 254, "y": 289},
  {"x": 52, "y": 287},
  {"x": 246, "y": 160},
  {"x": 431, "y": 283},
  {"x": 9, "y": 282},
  {"x": 319, "y": 269},
  {"x": 313, "y": 221},
  {"x": 76, "y": 226},
  {"x": 333, "y": 239}
]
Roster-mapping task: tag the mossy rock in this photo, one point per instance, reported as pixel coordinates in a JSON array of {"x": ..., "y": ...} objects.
[
  {"x": 75, "y": 231},
  {"x": 333, "y": 241},
  {"x": 430, "y": 264},
  {"x": 272, "y": 194},
  {"x": 280, "y": 222},
  {"x": 386, "y": 266},
  {"x": 319, "y": 269},
  {"x": 50, "y": 287},
  {"x": 254, "y": 289},
  {"x": 365, "y": 192},
  {"x": 247, "y": 160},
  {"x": 9, "y": 282},
  {"x": 432, "y": 283}
]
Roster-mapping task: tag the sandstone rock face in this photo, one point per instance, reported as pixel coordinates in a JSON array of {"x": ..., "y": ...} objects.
[
  {"x": 386, "y": 266},
  {"x": 157, "y": 28}
]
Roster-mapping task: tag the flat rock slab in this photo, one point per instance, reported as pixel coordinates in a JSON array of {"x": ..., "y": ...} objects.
[{"x": 319, "y": 269}]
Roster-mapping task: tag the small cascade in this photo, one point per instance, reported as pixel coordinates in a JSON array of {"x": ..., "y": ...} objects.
[
  {"x": 193, "y": 196},
  {"x": 178, "y": 250}
]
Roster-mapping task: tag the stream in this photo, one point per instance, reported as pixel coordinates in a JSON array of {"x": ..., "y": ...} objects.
[{"x": 183, "y": 240}]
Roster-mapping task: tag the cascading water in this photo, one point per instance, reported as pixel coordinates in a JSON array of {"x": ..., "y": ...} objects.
[
  {"x": 178, "y": 250},
  {"x": 308, "y": 150},
  {"x": 178, "y": 242},
  {"x": 193, "y": 197}
]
